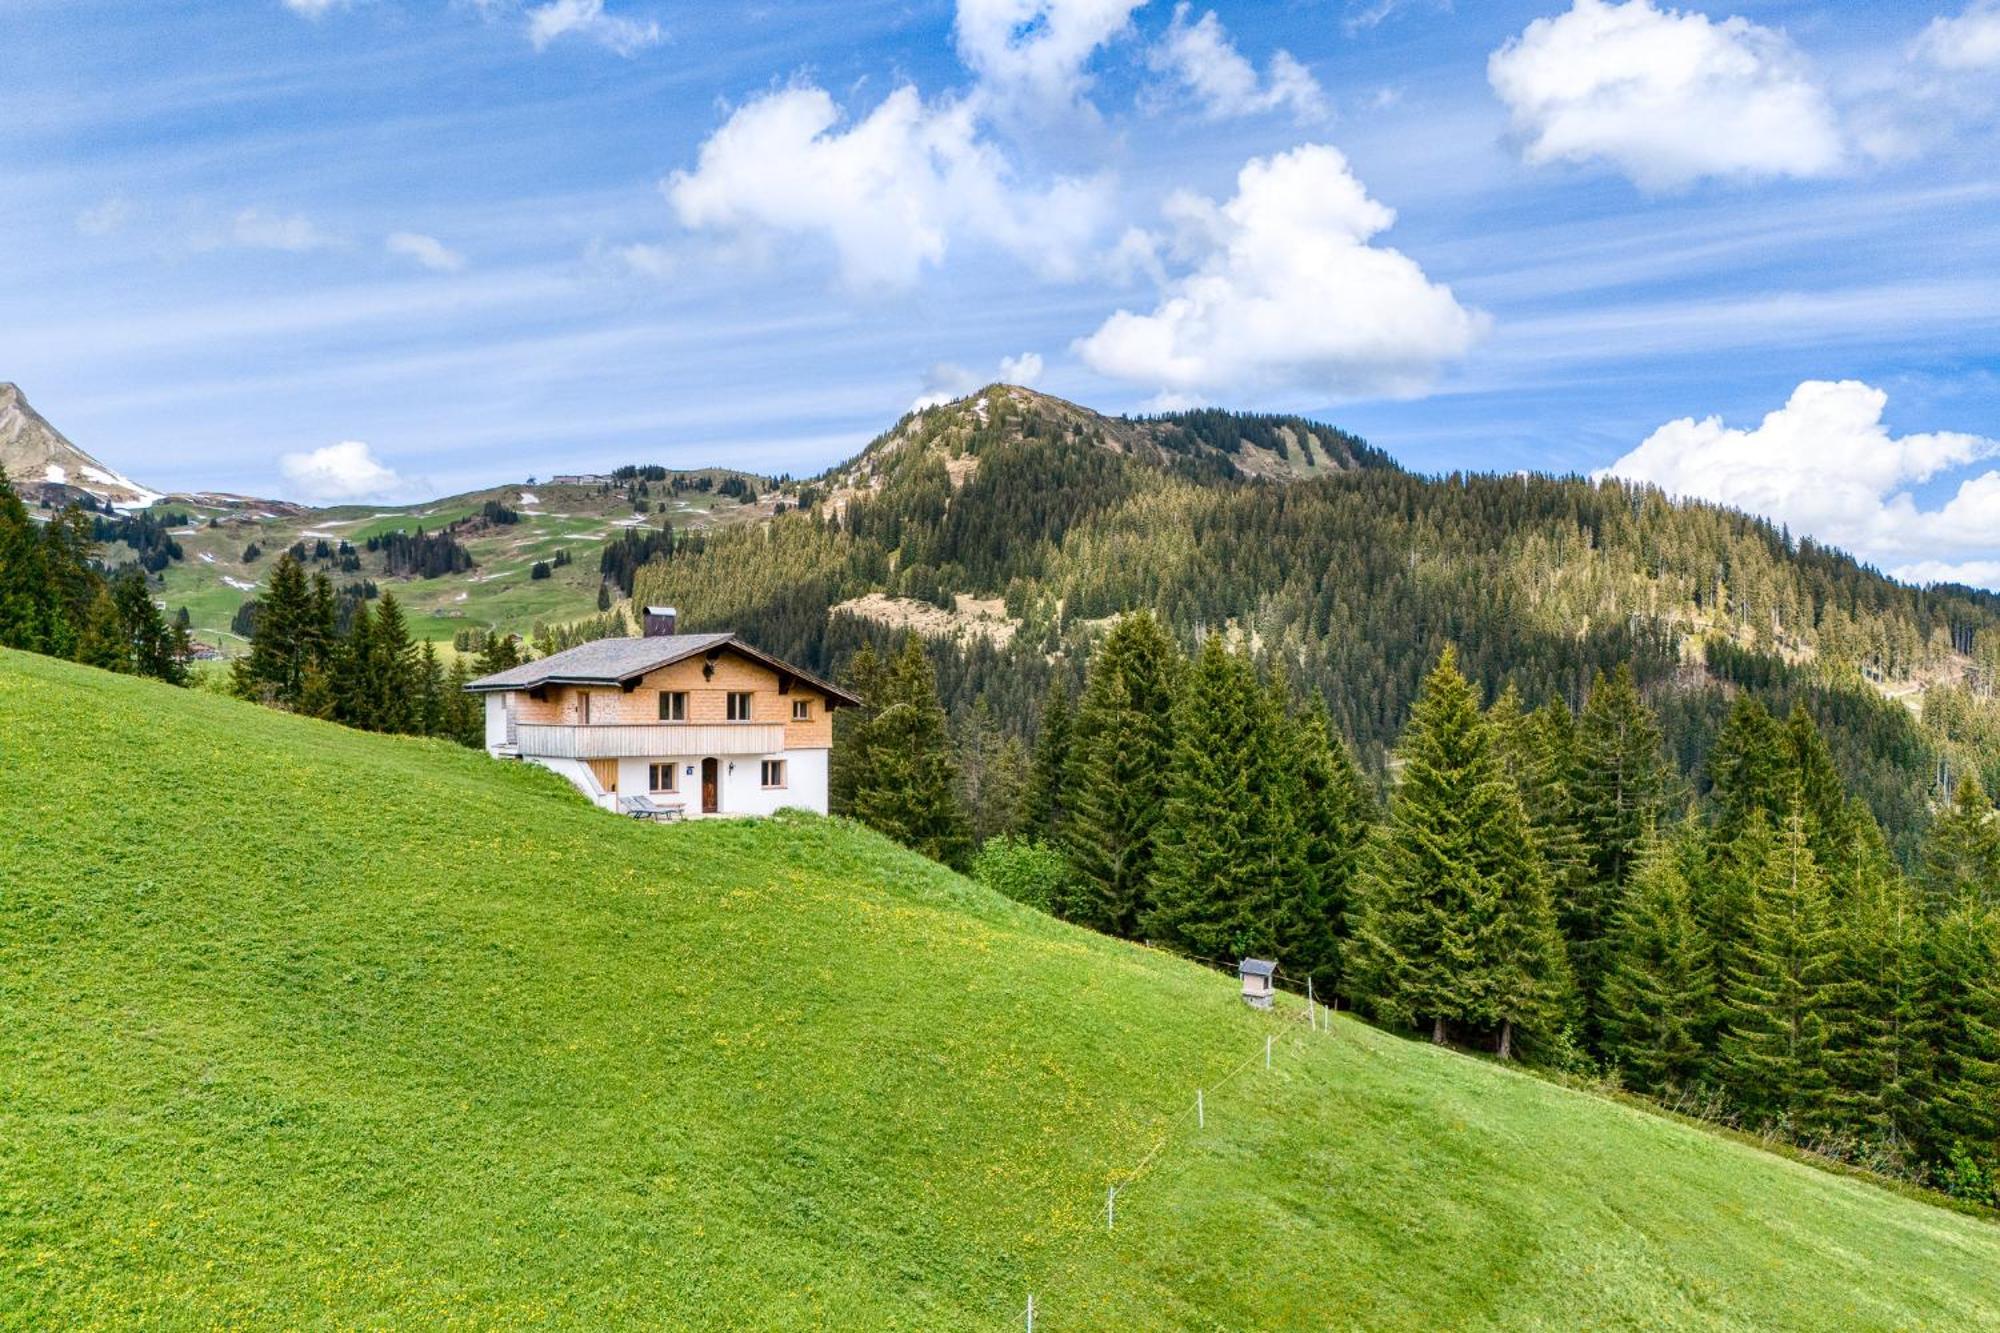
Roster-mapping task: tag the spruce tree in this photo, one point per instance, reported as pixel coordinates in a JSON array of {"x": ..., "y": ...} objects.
[
  {"x": 1820, "y": 793},
  {"x": 1048, "y": 767},
  {"x": 274, "y": 669},
  {"x": 429, "y": 719},
  {"x": 1213, "y": 895},
  {"x": 851, "y": 761},
  {"x": 152, "y": 647},
  {"x": 73, "y": 578},
  {"x": 1538, "y": 752},
  {"x": 103, "y": 642},
  {"x": 1119, "y": 760},
  {"x": 1335, "y": 811},
  {"x": 1457, "y": 925},
  {"x": 392, "y": 669},
  {"x": 464, "y": 718},
  {"x": 353, "y": 676},
  {"x": 1961, "y": 1014},
  {"x": 26, "y": 618},
  {"x": 1961, "y": 855},
  {"x": 1782, "y": 1000},
  {"x": 1748, "y": 769},
  {"x": 501, "y": 652},
  {"x": 320, "y": 630},
  {"x": 1619, "y": 784},
  {"x": 1659, "y": 984},
  {"x": 1882, "y": 1059},
  {"x": 1725, "y": 887},
  {"x": 910, "y": 791},
  {"x": 993, "y": 771}
]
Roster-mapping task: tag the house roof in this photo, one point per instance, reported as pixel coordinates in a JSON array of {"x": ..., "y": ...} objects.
[
  {"x": 620, "y": 661},
  {"x": 1256, "y": 967}
]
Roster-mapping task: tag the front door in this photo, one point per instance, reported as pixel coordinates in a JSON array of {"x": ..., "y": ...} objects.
[{"x": 711, "y": 793}]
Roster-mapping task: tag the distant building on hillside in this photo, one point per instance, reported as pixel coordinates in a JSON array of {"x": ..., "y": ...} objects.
[
  {"x": 670, "y": 724},
  {"x": 582, "y": 479}
]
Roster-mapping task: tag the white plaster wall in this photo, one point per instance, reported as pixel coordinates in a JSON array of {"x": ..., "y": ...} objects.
[
  {"x": 741, "y": 791},
  {"x": 496, "y": 721}
]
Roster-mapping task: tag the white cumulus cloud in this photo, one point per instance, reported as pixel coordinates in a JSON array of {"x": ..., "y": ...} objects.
[
  {"x": 948, "y": 381},
  {"x": 1201, "y": 57},
  {"x": 339, "y": 473},
  {"x": 426, "y": 250},
  {"x": 1967, "y": 41},
  {"x": 890, "y": 192},
  {"x": 587, "y": 19},
  {"x": 1035, "y": 55},
  {"x": 314, "y": 9},
  {"x": 1282, "y": 290},
  {"x": 1827, "y": 465},
  {"x": 1666, "y": 96},
  {"x": 1023, "y": 370}
]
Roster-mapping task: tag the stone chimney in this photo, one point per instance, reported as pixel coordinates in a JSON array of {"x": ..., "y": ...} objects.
[{"x": 660, "y": 621}]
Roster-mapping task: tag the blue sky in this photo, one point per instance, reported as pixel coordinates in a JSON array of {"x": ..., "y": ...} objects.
[{"x": 489, "y": 239}]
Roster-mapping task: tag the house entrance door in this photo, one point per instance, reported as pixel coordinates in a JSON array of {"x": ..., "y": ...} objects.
[{"x": 711, "y": 793}]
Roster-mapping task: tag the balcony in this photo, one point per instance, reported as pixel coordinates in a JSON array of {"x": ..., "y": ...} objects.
[{"x": 666, "y": 740}]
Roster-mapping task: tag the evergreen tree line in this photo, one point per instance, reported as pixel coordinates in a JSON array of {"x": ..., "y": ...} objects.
[
  {"x": 56, "y": 597},
  {"x": 427, "y": 555},
  {"x": 361, "y": 668},
  {"x": 1540, "y": 882},
  {"x": 1354, "y": 582},
  {"x": 149, "y": 535}
]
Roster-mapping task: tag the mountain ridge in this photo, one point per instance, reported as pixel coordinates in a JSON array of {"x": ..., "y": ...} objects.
[{"x": 44, "y": 464}]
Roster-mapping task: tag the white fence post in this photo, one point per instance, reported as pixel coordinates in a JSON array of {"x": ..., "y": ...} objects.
[
  {"x": 1031, "y": 1312},
  {"x": 1111, "y": 1209},
  {"x": 1267, "y": 1052},
  {"x": 1200, "y": 1112}
]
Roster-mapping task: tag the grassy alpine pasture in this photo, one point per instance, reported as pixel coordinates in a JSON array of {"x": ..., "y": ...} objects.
[
  {"x": 300, "y": 1026},
  {"x": 213, "y": 580}
]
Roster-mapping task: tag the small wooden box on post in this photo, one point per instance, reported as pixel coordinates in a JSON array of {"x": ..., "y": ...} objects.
[{"x": 1256, "y": 974}]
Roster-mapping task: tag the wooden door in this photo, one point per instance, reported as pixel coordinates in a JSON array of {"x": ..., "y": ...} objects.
[{"x": 711, "y": 787}]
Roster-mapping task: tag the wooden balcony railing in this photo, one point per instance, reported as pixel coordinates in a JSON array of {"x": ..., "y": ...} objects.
[{"x": 666, "y": 740}]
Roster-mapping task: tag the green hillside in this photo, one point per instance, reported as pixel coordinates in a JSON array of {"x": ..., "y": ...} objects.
[
  {"x": 305, "y": 1026},
  {"x": 212, "y": 579}
]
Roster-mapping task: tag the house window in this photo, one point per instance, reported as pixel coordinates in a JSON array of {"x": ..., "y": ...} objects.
[
  {"x": 673, "y": 706},
  {"x": 583, "y": 707},
  {"x": 739, "y": 705},
  {"x": 660, "y": 777},
  {"x": 774, "y": 772},
  {"x": 802, "y": 710}
]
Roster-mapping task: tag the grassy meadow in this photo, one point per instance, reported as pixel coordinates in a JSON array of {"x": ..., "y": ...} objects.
[
  {"x": 302, "y": 1026},
  {"x": 213, "y": 579}
]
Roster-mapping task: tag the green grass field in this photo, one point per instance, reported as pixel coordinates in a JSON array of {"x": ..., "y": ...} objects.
[{"x": 304, "y": 1027}]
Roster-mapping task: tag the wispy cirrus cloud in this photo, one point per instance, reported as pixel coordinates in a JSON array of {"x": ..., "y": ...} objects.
[
  {"x": 295, "y": 233},
  {"x": 589, "y": 20},
  {"x": 1203, "y": 60},
  {"x": 427, "y": 251}
]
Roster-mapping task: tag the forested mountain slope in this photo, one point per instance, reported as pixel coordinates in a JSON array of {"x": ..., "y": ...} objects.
[
  {"x": 1352, "y": 575},
  {"x": 340, "y": 1029}
]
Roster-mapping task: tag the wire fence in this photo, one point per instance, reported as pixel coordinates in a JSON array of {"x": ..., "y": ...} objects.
[{"x": 1318, "y": 1019}]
